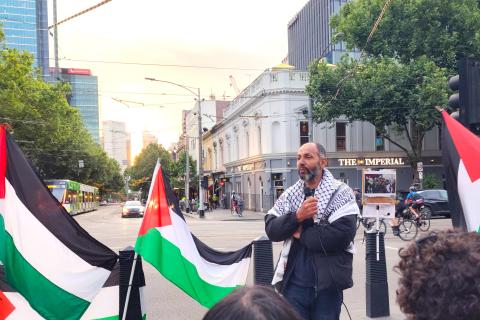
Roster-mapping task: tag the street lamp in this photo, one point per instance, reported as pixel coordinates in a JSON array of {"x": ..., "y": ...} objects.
[
  {"x": 337, "y": 37},
  {"x": 201, "y": 211}
]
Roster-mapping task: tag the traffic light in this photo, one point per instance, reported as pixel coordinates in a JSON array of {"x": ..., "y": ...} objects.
[
  {"x": 466, "y": 99},
  {"x": 222, "y": 183}
]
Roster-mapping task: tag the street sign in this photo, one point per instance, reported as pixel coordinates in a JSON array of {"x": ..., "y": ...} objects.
[
  {"x": 420, "y": 175},
  {"x": 420, "y": 166}
]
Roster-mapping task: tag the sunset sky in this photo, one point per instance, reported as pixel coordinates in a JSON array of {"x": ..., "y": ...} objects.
[{"x": 194, "y": 43}]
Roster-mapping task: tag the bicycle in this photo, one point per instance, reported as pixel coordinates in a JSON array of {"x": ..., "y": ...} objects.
[
  {"x": 408, "y": 227},
  {"x": 370, "y": 224}
]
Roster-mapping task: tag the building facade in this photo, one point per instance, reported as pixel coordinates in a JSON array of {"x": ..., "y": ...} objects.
[
  {"x": 84, "y": 96},
  {"x": 253, "y": 150},
  {"x": 25, "y": 25},
  {"x": 148, "y": 138},
  {"x": 116, "y": 142},
  {"x": 310, "y": 34}
]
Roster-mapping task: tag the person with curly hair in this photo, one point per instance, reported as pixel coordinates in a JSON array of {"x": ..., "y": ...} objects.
[{"x": 440, "y": 277}]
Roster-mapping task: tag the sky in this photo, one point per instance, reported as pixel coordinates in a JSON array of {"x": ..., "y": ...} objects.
[{"x": 194, "y": 43}]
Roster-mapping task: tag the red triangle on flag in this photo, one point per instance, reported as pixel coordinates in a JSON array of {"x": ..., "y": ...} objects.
[
  {"x": 467, "y": 145},
  {"x": 6, "y": 307},
  {"x": 157, "y": 212}
]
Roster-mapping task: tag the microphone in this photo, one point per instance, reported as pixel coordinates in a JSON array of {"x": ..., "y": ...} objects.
[{"x": 308, "y": 193}]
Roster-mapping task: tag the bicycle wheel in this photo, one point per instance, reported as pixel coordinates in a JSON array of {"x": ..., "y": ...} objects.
[
  {"x": 425, "y": 215},
  {"x": 407, "y": 230},
  {"x": 370, "y": 225}
]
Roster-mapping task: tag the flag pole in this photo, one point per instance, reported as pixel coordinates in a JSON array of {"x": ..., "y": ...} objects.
[
  {"x": 439, "y": 109},
  {"x": 129, "y": 289}
]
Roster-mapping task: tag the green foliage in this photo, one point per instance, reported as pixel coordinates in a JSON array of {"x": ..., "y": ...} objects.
[
  {"x": 178, "y": 171},
  {"x": 431, "y": 181},
  {"x": 383, "y": 92},
  {"x": 442, "y": 30},
  {"x": 141, "y": 172},
  {"x": 47, "y": 129}
]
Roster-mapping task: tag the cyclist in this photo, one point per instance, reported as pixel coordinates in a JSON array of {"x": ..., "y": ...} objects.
[
  {"x": 413, "y": 201},
  {"x": 234, "y": 203}
]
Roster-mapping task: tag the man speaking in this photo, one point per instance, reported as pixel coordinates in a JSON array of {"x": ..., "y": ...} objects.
[{"x": 316, "y": 219}]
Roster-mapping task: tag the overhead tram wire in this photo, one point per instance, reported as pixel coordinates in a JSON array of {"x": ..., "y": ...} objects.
[
  {"x": 362, "y": 54},
  {"x": 161, "y": 65}
]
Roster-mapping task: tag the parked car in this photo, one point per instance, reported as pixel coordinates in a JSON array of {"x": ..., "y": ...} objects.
[
  {"x": 435, "y": 199},
  {"x": 132, "y": 209}
]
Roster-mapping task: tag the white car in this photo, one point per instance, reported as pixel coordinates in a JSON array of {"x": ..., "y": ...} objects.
[{"x": 132, "y": 209}]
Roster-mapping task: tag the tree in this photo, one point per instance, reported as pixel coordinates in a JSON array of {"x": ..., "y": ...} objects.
[
  {"x": 178, "y": 171},
  {"x": 48, "y": 130},
  {"x": 142, "y": 170},
  {"x": 442, "y": 30},
  {"x": 396, "y": 98}
]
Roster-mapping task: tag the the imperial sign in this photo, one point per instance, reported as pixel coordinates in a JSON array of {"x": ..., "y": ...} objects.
[{"x": 371, "y": 162}]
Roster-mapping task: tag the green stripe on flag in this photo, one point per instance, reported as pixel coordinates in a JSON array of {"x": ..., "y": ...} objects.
[
  {"x": 168, "y": 259},
  {"x": 49, "y": 300}
]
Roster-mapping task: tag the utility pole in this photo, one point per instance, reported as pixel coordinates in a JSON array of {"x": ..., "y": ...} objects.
[
  {"x": 187, "y": 175},
  {"x": 201, "y": 211}
]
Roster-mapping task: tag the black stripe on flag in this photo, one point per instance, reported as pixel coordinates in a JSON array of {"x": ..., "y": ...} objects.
[
  {"x": 44, "y": 206},
  {"x": 4, "y": 286},
  {"x": 207, "y": 253},
  {"x": 451, "y": 162}
]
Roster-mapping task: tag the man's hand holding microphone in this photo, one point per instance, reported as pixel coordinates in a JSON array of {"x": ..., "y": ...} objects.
[{"x": 306, "y": 213}]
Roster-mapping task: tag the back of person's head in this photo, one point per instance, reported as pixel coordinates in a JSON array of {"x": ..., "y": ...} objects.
[
  {"x": 412, "y": 189},
  {"x": 440, "y": 277},
  {"x": 252, "y": 303}
]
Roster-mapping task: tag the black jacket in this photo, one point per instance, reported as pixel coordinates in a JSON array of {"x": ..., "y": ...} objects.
[{"x": 327, "y": 242}]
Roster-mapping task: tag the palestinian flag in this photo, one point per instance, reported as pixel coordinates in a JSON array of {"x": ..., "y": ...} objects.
[
  {"x": 165, "y": 241},
  {"x": 461, "y": 153},
  {"x": 106, "y": 306},
  {"x": 48, "y": 258}
]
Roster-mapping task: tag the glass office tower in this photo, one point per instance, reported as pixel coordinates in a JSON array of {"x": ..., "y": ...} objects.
[{"x": 25, "y": 26}]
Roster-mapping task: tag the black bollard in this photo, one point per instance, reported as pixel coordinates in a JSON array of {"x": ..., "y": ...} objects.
[
  {"x": 134, "y": 310},
  {"x": 377, "y": 283},
  {"x": 263, "y": 261}
]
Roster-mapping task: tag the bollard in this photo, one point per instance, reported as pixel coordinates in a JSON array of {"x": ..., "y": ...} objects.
[
  {"x": 263, "y": 261},
  {"x": 376, "y": 281},
  {"x": 134, "y": 309}
]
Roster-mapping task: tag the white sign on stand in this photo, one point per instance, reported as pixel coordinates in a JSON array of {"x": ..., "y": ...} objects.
[{"x": 378, "y": 197}]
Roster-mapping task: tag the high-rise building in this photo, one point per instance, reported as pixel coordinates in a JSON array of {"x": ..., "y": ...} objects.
[
  {"x": 149, "y": 138},
  {"x": 116, "y": 142},
  {"x": 310, "y": 34},
  {"x": 25, "y": 25},
  {"x": 84, "y": 96}
]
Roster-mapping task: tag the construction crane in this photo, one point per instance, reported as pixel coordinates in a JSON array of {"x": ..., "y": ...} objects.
[{"x": 233, "y": 83}]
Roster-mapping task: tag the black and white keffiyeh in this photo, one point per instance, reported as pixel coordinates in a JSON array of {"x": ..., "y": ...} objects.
[{"x": 334, "y": 200}]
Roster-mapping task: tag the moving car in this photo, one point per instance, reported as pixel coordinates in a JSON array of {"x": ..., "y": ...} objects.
[{"x": 132, "y": 209}]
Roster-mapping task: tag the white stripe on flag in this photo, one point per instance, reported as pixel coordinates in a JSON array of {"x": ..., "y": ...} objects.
[
  {"x": 216, "y": 274},
  {"x": 469, "y": 193},
  {"x": 104, "y": 305},
  {"x": 22, "y": 310},
  {"x": 46, "y": 253}
]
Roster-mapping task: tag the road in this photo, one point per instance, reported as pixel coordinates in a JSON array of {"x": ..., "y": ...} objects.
[{"x": 163, "y": 300}]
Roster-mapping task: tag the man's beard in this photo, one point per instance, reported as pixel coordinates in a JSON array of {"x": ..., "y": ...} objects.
[{"x": 310, "y": 174}]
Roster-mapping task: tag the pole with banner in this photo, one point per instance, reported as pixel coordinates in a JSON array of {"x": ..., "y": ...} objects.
[{"x": 420, "y": 173}]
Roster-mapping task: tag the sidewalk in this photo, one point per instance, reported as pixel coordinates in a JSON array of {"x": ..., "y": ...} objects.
[{"x": 226, "y": 215}]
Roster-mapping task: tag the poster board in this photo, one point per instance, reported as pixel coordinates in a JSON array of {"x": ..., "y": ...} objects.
[{"x": 379, "y": 193}]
